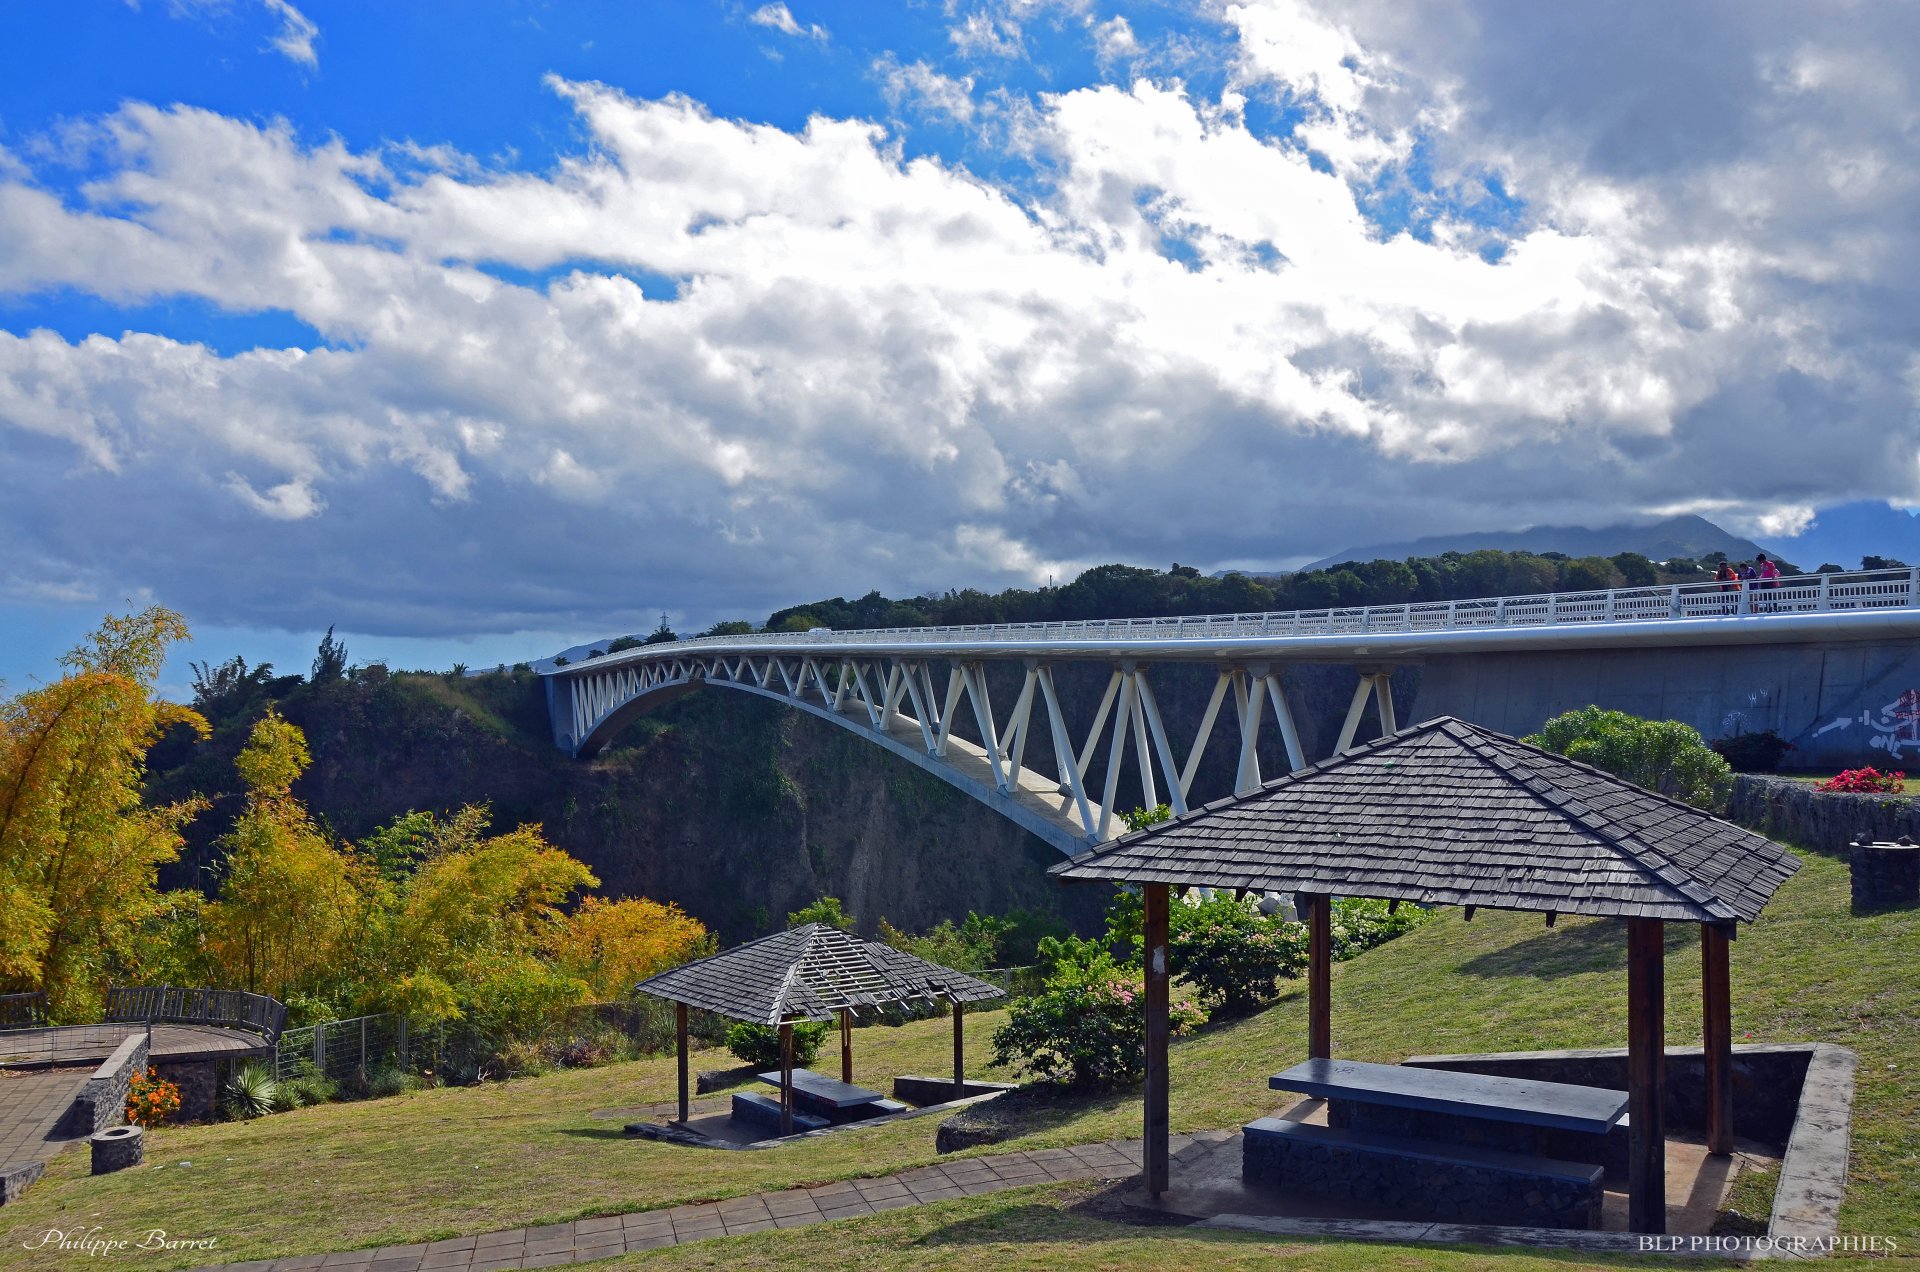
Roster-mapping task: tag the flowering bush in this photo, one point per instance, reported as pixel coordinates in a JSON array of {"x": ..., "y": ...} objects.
[
  {"x": 1232, "y": 954},
  {"x": 151, "y": 1099},
  {"x": 1088, "y": 1030},
  {"x": 1865, "y": 781}
]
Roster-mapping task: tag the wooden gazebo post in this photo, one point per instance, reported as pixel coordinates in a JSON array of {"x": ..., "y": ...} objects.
[
  {"x": 1646, "y": 1076},
  {"x": 1319, "y": 976},
  {"x": 1153, "y": 1147},
  {"x": 680, "y": 1036},
  {"x": 959, "y": 1050},
  {"x": 786, "y": 1077},
  {"x": 1716, "y": 1014}
]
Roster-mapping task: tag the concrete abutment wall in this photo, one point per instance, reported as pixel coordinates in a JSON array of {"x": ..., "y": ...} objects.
[{"x": 1841, "y": 704}]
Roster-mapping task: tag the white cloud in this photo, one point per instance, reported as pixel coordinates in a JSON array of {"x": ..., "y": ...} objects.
[
  {"x": 918, "y": 84},
  {"x": 781, "y": 19},
  {"x": 288, "y": 501},
  {"x": 297, "y": 33},
  {"x": 1114, "y": 41},
  {"x": 983, "y": 33},
  {"x": 1179, "y": 339}
]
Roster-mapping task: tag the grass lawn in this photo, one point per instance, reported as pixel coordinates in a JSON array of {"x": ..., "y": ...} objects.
[{"x": 458, "y": 1161}]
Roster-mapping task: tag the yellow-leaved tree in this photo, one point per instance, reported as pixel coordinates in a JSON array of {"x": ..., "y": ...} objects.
[
  {"x": 613, "y": 945},
  {"x": 79, "y": 854},
  {"x": 466, "y": 932},
  {"x": 293, "y": 904}
]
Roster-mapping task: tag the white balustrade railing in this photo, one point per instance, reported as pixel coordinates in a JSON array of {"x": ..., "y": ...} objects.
[{"x": 1746, "y": 599}]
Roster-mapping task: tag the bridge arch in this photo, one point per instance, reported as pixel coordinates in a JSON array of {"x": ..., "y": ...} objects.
[{"x": 909, "y": 705}]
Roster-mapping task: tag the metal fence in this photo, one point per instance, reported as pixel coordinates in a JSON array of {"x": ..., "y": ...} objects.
[
  {"x": 344, "y": 1050},
  {"x": 352, "y": 1050}
]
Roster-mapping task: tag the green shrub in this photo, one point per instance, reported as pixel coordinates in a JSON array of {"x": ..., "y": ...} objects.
[
  {"x": 306, "y": 1085},
  {"x": 1141, "y": 818},
  {"x": 826, "y": 910},
  {"x": 759, "y": 1045},
  {"x": 1231, "y": 954},
  {"x": 594, "y": 1046},
  {"x": 250, "y": 1091},
  {"x": 1660, "y": 755},
  {"x": 525, "y": 1058},
  {"x": 1360, "y": 923},
  {"x": 388, "y": 1080},
  {"x": 967, "y": 947},
  {"x": 1088, "y": 1030}
]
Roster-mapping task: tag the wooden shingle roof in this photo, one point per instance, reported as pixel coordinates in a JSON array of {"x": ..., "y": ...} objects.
[
  {"x": 809, "y": 973},
  {"x": 1449, "y": 813}
]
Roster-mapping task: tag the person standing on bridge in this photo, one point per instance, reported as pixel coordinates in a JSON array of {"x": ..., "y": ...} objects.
[
  {"x": 1769, "y": 577},
  {"x": 1729, "y": 587},
  {"x": 1750, "y": 580}
]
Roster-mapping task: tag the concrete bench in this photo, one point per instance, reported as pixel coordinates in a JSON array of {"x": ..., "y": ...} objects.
[
  {"x": 1436, "y": 1181},
  {"x": 758, "y": 1109},
  {"x": 1520, "y": 1101},
  {"x": 836, "y": 1101}
]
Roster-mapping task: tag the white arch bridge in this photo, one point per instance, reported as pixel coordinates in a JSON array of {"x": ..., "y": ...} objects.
[{"x": 906, "y": 689}]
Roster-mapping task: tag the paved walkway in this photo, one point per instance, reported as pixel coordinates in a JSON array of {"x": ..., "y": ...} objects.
[
  {"x": 609, "y": 1235},
  {"x": 31, "y": 1106}
]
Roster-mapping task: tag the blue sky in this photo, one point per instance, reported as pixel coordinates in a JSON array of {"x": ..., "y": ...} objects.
[{"x": 478, "y": 330}]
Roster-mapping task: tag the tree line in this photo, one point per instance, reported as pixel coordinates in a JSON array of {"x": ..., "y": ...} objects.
[{"x": 1127, "y": 591}]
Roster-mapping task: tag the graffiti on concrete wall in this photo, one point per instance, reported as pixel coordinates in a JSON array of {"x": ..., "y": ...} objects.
[{"x": 1893, "y": 728}]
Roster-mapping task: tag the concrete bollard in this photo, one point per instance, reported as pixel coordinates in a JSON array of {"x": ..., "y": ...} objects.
[{"x": 117, "y": 1148}]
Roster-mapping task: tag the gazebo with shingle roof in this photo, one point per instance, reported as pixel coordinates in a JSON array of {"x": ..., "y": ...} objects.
[
  {"x": 814, "y": 972},
  {"x": 1448, "y": 813}
]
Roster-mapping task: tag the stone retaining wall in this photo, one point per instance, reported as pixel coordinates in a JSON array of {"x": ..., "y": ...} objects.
[
  {"x": 1824, "y": 821},
  {"x": 1797, "y": 1095},
  {"x": 199, "y": 1083},
  {"x": 102, "y": 1102},
  {"x": 1475, "y": 1191}
]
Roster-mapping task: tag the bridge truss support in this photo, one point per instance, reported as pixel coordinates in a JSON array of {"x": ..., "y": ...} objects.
[{"x": 909, "y": 705}]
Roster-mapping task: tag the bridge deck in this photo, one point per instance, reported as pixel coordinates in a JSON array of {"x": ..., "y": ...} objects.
[{"x": 1860, "y": 605}]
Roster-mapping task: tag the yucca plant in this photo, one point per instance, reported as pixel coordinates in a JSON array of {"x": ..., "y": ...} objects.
[{"x": 250, "y": 1092}]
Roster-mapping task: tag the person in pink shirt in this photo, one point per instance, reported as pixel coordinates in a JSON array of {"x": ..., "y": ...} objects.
[{"x": 1767, "y": 576}]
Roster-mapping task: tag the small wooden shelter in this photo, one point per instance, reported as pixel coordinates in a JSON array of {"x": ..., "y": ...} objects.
[
  {"x": 815, "y": 972},
  {"x": 1448, "y": 813}
]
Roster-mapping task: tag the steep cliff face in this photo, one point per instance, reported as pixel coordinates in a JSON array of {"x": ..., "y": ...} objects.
[{"x": 728, "y": 804}]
